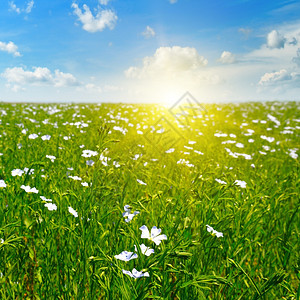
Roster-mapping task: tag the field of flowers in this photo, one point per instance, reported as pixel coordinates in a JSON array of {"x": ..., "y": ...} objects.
[{"x": 118, "y": 201}]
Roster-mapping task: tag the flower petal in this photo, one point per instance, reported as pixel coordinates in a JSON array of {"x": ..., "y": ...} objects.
[
  {"x": 145, "y": 232},
  {"x": 155, "y": 231},
  {"x": 157, "y": 240}
]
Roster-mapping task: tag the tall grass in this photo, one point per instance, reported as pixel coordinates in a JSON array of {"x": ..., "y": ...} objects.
[{"x": 52, "y": 254}]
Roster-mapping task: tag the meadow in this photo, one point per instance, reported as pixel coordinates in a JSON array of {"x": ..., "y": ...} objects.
[{"x": 120, "y": 201}]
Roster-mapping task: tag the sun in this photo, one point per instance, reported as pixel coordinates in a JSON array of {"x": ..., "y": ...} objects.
[{"x": 170, "y": 98}]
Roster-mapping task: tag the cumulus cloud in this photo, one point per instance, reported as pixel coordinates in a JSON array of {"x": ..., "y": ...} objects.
[
  {"x": 18, "y": 10},
  {"x": 170, "y": 72},
  {"x": 227, "y": 58},
  {"x": 149, "y": 32},
  {"x": 39, "y": 76},
  {"x": 282, "y": 76},
  {"x": 275, "y": 40},
  {"x": 10, "y": 47},
  {"x": 168, "y": 61},
  {"x": 104, "y": 18}
]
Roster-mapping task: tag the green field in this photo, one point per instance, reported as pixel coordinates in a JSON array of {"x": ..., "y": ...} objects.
[{"x": 67, "y": 171}]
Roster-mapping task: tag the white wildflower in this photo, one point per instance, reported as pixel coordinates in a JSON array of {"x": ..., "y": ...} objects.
[
  {"x": 2, "y": 184},
  {"x": 145, "y": 250},
  {"x": 141, "y": 182},
  {"x": 135, "y": 274},
  {"x": 155, "y": 235},
  {"x": 51, "y": 206},
  {"x": 214, "y": 232},
  {"x": 126, "y": 256},
  {"x": 73, "y": 211},
  {"x": 220, "y": 181},
  {"x": 240, "y": 183},
  {"x": 28, "y": 189}
]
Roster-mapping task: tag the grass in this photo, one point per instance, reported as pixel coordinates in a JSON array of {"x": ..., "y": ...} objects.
[{"x": 54, "y": 255}]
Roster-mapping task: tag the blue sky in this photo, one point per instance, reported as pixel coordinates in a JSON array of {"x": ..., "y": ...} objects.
[{"x": 149, "y": 50}]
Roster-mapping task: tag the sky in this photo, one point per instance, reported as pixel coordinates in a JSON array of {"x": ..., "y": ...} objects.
[{"x": 149, "y": 50}]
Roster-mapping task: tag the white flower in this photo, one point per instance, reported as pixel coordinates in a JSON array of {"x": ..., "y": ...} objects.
[
  {"x": 239, "y": 145},
  {"x": 84, "y": 184},
  {"x": 220, "y": 134},
  {"x": 33, "y": 136},
  {"x": 28, "y": 189},
  {"x": 141, "y": 182},
  {"x": 75, "y": 177},
  {"x": 2, "y": 183},
  {"x": 118, "y": 128},
  {"x": 198, "y": 152},
  {"x": 46, "y": 137},
  {"x": 267, "y": 138},
  {"x": 293, "y": 153},
  {"x": 241, "y": 183},
  {"x": 45, "y": 199},
  {"x": 262, "y": 152},
  {"x": 51, "y": 157},
  {"x": 73, "y": 211},
  {"x": 89, "y": 153},
  {"x": 170, "y": 150},
  {"x": 136, "y": 274},
  {"x": 155, "y": 235},
  {"x": 127, "y": 214},
  {"x": 215, "y": 232},
  {"x": 17, "y": 172},
  {"x": 116, "y": 164},
  {"x": 1, "y": 241},
  {"x": 145, "y": 250},
  {"x": 126, "y": 256},
  {"x": 220, "y": 181},
  {"x": 51, "y": 206},
  {"x": 90, "y": 162}
]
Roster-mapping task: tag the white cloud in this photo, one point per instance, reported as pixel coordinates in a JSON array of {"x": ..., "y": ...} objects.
[
  {"x": 227, "y": 58},
  {"x": 168, "y": 73},
  {"x": 274, "y": 77},
  {"x": 10, "y": 47},
  {"x": 18, "y": 10},
  {"x": 149, "y": 32},
  {"x": 90, "y": 88},
  {"x": 39, "y": 76},
  {"x": 172, "y": 1},
  {"x": 104, "y": 2},
  {"x": 168, "y": 62},
  {"x": 13, "y": 7},
  {"x": 275, "y": 40},
  {"x": 284, "y": 84},
  {"x": 61, "y": 79},
  {"x": 104, "y": 18},
  {"x": 29, "y": 6}
]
